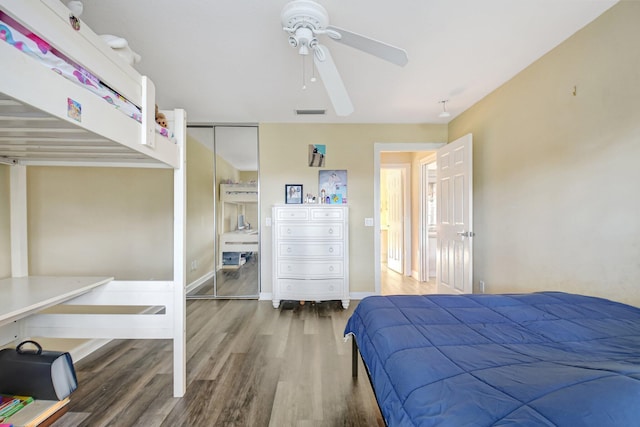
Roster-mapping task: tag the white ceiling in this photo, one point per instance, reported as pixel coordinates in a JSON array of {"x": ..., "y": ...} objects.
[{"x": 228, "y": 61}]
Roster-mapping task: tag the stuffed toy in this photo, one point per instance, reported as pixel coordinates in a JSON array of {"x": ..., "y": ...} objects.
[
  {"x": 161, "y": 119},
  {"x": 121, "y": 47}
]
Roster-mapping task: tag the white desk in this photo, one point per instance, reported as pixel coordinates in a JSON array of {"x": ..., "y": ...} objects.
[{"x": 24, "y": 296}]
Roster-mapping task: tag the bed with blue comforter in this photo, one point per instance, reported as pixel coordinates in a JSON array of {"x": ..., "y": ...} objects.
[{"x": 541, "y": 359}]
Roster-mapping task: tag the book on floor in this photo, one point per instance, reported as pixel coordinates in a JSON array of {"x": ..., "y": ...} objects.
[
  {"x": 10, "y": 405},
  {"x": 37, "y": 412}
]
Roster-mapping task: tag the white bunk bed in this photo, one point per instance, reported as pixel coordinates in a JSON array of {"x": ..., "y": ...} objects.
[
  {"x": 37, "y": 128},
  {"x": 236, "y": 241}
]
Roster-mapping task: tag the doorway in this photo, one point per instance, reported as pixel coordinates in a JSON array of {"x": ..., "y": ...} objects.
[
  {"x": 409, "y": 281},
  {"x": 395, "y": 215}
]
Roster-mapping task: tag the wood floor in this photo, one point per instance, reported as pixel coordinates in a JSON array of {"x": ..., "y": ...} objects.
[
  {"x": 248, "y": 365},
  {"x": 233, "y": 283},
  {"x": 392, "y": 283}
]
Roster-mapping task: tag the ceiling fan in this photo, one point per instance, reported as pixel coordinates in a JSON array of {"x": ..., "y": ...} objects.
[{"x": 304, "y": 20}]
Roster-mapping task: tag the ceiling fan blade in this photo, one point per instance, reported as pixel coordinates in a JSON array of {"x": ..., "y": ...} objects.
[
  {"x": 332, "y": 81},
  {"x": 373, "y": 47}
]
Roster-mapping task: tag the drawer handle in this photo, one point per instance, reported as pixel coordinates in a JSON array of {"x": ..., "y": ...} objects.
[
  {"x": 331, "y": 249},
  {"x": 288, "y": 268},
  {"x": 331, "y": 231},
  {"x": 331, "y": 268},
  {"x": 289, "y": 249},
  {"x": 288, "y": 231}
]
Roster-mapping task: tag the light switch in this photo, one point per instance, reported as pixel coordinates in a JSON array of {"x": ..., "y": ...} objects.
[
  {"x": 267, "y": 222},
  {"x": 368, "y": 222}
]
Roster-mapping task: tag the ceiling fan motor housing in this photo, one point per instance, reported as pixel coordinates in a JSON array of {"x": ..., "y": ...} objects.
[{"x": 305, "y": 14}]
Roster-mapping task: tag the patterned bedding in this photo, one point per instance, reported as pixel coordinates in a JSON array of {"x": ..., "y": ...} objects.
[
  {"x": 542, "y": 359},
  {"x": 32, "y": 45}
]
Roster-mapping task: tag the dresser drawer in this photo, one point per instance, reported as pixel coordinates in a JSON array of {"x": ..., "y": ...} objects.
[
  {"x": 301, "y": 268},
  {"x": 311, "y": 250},
  {"x": 292, "y": 214},
  {"x": 327, "y": 214},
  {"x": 310, "y": 290},
  {"x": 310, "y": 231}
]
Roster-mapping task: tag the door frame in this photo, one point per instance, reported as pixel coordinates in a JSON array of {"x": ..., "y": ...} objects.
[{"x": 378, "y": 148}]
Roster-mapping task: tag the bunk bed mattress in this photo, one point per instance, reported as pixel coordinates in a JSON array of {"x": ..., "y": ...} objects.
[
  {"x": 38, "y": 49},
  {"x": 546, "y": 358}
]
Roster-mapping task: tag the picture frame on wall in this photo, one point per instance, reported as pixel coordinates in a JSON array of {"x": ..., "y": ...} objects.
[
  {"x": 293, "y": 193},
  {"x": 332, "y": 184}
]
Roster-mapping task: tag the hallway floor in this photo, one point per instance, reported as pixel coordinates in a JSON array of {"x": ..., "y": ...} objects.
[{"x": 393, "y": 283}]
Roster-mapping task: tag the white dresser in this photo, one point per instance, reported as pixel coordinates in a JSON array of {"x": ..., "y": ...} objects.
[{"x": 310, "y": 253}]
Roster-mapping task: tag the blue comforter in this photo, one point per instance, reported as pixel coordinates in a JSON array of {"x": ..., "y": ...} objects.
[{"x": 546, "y": 358}]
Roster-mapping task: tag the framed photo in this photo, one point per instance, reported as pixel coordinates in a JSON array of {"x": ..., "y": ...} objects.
[
  {"x": 293, "y": 193},
  {"x": 333, "y": 185},
  {"x": 317, "y": 155}
]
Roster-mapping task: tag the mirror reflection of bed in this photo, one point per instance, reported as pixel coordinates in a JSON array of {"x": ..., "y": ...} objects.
[
  {"x": 238, "y": 242},
  {"x": 237, "y": 227}
]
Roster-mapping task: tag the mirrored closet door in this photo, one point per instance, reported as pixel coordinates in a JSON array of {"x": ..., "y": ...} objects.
[{"x": 236, "y": 271}]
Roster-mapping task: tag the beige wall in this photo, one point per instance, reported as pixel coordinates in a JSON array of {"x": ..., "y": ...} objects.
[
  {"x": 200, "y": 213},
  {"x": 112, "y": 221},
  {"x": 555, "y": 199},
  {"x": 5, "y": 235},
  {"x": 100, "y": 221},
  {"x": 283, "y": 160}
]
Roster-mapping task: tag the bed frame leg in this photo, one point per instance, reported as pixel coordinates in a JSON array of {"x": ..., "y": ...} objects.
[{"x": 354, "y": 358}]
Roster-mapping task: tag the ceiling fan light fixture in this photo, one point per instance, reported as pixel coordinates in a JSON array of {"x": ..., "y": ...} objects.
[
  {"x": 304, "y": 21},
  {"x": 444, "y": 113}
]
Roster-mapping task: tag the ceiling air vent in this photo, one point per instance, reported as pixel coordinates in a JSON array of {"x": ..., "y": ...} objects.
[{"x": 310, "y": 112}]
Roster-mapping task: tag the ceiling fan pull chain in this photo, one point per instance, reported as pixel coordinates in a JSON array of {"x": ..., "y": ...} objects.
[{"x": 304, "y": 84}]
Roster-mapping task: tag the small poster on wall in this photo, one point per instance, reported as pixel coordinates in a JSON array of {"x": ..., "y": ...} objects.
[
  {"x": 317, "y": 155},
  {"x": 333, "y": 186}
]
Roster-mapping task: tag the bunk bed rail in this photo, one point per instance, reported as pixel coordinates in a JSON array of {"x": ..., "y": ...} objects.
[
  {"x": 109, "y": 135},
  {"x": 47, "y": 119},
  {"x": 152, "y": 322}
]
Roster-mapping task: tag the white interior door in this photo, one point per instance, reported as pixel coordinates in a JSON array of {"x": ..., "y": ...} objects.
[
  {"x": 395, "y": 236},
  {"x": 455, "y": 217}
]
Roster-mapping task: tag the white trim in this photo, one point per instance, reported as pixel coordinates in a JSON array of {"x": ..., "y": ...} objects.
[
  {"x": 180, "y": 258},
  {"x": 86, "y": 348},
  {"x": 18, "y": 221},
  {"x": 97, "y": 163},
  {"x": 362, "y": 295},
  {"x": 378, "y": 148},
  {"x": 199, "y": 282},
  {"x": 265, "y": 296}
]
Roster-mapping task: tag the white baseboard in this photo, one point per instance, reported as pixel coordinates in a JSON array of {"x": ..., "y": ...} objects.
[
  {"x": 361, "y": 295},
  {"x": 86, "y": 348},
  {"x": 265, "y": 296},
  {"x": 199, "y": 282}
]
